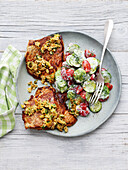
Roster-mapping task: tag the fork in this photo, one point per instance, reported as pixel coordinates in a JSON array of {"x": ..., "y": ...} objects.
[{"x": 99, "y": 78}]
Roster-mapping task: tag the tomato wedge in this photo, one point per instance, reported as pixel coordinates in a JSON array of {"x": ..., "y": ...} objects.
[
  {"x": 110, "y": 86},
  {"x": 86, "y": 66},
  {"x": 92, "y": 77},
  {"x": 89, "y": 54},
  {"x": 79, "y": 89},
  {"x": 83, "y": 106},
  {"x": 69, "y": 73},
  {"x": 84, "y": 113},
  {"x": 104, "y": 100},
  {"x": 83, "y": 110},
  {"x": 83, "y": 94}
]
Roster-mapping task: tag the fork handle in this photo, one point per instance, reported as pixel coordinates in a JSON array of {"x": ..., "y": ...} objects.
[{"x": 108, "y": 30}]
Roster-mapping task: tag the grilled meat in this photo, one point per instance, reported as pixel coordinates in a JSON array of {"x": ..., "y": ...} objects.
[
  {"x": 44, "y": 57},
  {"x": 61, "y": 118}
]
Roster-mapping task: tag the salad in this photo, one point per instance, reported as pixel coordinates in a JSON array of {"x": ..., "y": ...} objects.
[{"x": 77, "y": 77}]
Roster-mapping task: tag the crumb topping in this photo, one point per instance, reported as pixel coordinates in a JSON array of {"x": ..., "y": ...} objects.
[
  {"x": 51, "y": 118},
  {"x": 52, "y": 44},
  {"x": 33, "y": 86}
]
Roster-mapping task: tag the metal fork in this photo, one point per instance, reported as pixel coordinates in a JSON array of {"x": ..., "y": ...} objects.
[{"x": 99, "y": 78}]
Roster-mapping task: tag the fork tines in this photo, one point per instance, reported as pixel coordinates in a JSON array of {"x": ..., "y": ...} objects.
[{"x": 95, "y": 97}]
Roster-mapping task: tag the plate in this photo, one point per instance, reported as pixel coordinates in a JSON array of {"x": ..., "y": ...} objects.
[{"x": 83, "y": 125}]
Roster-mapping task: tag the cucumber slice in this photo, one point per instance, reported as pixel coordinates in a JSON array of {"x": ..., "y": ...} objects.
[
  {"x": 105, "y": 93},
  {"x": 78, "y": 100},
  {"x": 80, "y": 75},
  {"x": 73, "y": 60},
  {"x": 63, "y": 89},
  {"x": 58, "y": 75},
  {"x": 92, "y": 71},
  {"x": 76, "y": 62},
  {"x": 73, "y": 47},
  {"x": 88, "y": 95},
  {"x": 61, "y": 83},
  {"x": 69, "y": 59},
  {"x": 89, "y": 86},
  {"x": 107, "y": 76},
  {"x": 96, "y": 107},
  {"x": 78, "y": 52},
  {"x": 71, "y": 94}
]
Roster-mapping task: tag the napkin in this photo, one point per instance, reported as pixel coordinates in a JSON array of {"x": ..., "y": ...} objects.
[{"x": 8, "y": 67}]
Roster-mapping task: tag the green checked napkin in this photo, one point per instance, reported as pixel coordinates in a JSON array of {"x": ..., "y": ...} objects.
[{"x": 8, "y": 102}]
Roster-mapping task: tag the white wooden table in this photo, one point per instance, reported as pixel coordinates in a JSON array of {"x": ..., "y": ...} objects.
[{"x": 107, "y": 147}]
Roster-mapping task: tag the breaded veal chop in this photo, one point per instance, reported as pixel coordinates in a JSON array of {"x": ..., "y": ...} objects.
[
  {"x": 44, "y": 57},
  {"x": 39, "y": 108}
]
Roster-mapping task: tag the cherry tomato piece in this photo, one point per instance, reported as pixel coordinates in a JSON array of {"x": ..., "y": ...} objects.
[
  {"x": 86, "y": 66},
  {"x": 103, "y": 100},
  {"x": 89, "y": 54},
  {"x": 92, "y": 77},
  {"x": 84, "y": 113},
  {"x": 79, "y": 89},
  {"x": 87, "y": 103},
  {"x": 110, "y": 86},
  {"x": 83, "y": 94},
  {"x": 83, "y": 110},
  {"x": 63, "y": 73},
  {"x": 69, "y": 73},
  {"x": 83, "y": 106}
]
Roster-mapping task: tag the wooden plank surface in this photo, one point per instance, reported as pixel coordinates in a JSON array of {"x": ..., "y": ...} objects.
[
  {"x": 21, "y": 21},
  {"x": 107, "y": 147}
]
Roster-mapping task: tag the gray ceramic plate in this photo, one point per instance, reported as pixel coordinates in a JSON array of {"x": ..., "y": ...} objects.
[{"x": 84, "y": 125}]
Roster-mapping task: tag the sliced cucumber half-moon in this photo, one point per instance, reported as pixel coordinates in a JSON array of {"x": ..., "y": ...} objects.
[
  {"x": 96, "y": 107},
  {"x": 89, "y": 86}
]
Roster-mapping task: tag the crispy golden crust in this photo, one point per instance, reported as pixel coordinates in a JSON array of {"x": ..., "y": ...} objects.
[
  {"x": 55, "y": 59},
  {"x": 47, "y": 93}
]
